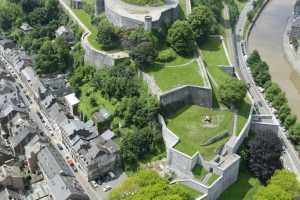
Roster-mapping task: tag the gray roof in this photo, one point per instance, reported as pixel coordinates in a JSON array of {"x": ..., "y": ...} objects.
[
  {"x": 102, "y": 115},
  {"x": 7, "y": 43},
  {"x": 8, "y": 194},
  {"x": 56, "y": 113},
  {"x": 25, "y": 27},
  {"x": 22, "y": 133},
  {"x": 297, "y": 3},
  {"x": 61, "y": 181},
  {"x": 108, "y": 134},
  {"x": 52, "y": 163}
]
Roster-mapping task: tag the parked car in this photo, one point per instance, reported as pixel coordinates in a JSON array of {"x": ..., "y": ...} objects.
[
  {"x": 94, "y": 184},
  {"x": 60, "y": 147},
  {"x": 107, "y": 188}
]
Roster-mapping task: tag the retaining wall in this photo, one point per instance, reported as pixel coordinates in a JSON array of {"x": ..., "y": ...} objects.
[
  {"x": 185, "y": 95},
  {"x": 99, "y": 58}
]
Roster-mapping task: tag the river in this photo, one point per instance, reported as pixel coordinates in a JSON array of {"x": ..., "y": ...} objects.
[{"x": 267, "y": 37}]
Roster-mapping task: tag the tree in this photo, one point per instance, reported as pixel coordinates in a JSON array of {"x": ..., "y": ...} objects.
[
  {"x": 117, "y": 82},
  {"x": 272, "y": 192},
  {"x": 139, "y": 36},
  {"x": 232, "y": 92},
  {"x": 279, "y": 100},
  {"x": 180, "y": 37},
  {"x": 28, "y": 5},
  {"x": 202, "y": 22},
  {"x": 284, "y": 111},
  {"x": 9, "y": 16},
  {"x": 272, "y": 91},
  {"x": 282, "y": 185},
  {"x": 294, "y": 133},
  {"x": 265, "y": 150},
  {"x": 106, "y": 35},
  {"x": 144, "y": 54},
  {"x": 254, "y": 58},
  {"x": 138, "y": 111},
  {"x": 289, "y": 121}
]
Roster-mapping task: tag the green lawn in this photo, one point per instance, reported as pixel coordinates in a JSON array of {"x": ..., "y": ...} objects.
[
  {"x": 182, "y": 4},
  {"x": 146, "y": 2},
  {"x": 214, "y": 55},
  {"x": 85, "y": 106},
  {"x": 212, "y": 179},
  {"x": 188, "y": 124},
  {"x": 171, "y": 75},
  {"x": 193, "y": 193},
  {"x": 243, "y": 189},
  {"x": 243, "y": 114}
]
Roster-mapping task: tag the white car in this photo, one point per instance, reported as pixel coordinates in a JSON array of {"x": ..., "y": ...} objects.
[
  {"x": 106, "y": 188},
  {"x": 94, "y": 184}
]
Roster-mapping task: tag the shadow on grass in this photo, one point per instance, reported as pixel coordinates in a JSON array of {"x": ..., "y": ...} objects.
[
  {"x": 243, "y": 189},
  {"x": 211, "y": 44}
]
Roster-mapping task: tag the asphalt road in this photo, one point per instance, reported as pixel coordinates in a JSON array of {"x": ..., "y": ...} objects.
[{"x": 290, "y": 157}]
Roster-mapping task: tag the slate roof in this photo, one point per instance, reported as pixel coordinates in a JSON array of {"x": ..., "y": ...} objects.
[
  {"x": 8, "y": 194},
  {"x": 61, "y": 181}
]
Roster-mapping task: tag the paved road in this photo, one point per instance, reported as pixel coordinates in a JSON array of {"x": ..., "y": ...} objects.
[{"x": 290, "y": 157}]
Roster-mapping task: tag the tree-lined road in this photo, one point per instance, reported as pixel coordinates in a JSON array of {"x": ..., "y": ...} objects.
[{"x": 290, "y": 157}]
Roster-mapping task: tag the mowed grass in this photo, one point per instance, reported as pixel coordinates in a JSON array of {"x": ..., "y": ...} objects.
[
  {"x": 214, "y": 55},
  {"x": 181, "y": 71},
  {"x": 243, "y": 189},
  {"x": 193, "y": 193},
  {"x": 188, "y": 125},
  {"x": 85, "y": 107}
]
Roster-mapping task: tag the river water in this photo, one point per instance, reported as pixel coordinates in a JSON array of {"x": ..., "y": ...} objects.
[{"x": 267, "y": 37}]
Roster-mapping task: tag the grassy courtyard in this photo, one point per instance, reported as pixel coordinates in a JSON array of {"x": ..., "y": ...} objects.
[
  {"x": 146, "y": 2},
  {"x": 181, "y": 71},
  {"x": 86, "y": 106},
  {"x": 244, "y": 188},
  {"x": 190, "y": 126}
]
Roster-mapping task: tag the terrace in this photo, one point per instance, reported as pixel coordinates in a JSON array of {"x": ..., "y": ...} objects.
[{"x": 178, "y": 72}]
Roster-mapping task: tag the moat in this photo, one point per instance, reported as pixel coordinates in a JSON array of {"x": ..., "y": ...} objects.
[{"x": 266, "y": 37}]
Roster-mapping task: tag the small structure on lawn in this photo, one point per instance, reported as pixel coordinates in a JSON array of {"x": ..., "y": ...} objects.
[{"x": 25, "y": 27}]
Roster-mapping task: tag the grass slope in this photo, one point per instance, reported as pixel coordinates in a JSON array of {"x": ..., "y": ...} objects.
[
  {"x": 146, "y": 2},
  {"x": 243, "y": 189},
  {"x": 181, "y": 71},
  {"x": 187, "y": 125}
]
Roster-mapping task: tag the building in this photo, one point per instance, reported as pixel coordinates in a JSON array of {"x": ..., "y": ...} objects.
[
  {"x": 20, "y": 132},
  {"x": 10, "y": 194},
  {"x": 25, "y": 27},
  {"x": 102, "y": 118},
  {"x": 94, "y": 155},
  {"x": 297, "y": 9},
  {"x": 11, "y": 177},
  {"x": 11, "y": 102},
  {"x": 66, "y": 33},
  {"x": 60, "y": 179},
  {"x": 6, "y": 44},
  {"x": 72, "y": 102}
]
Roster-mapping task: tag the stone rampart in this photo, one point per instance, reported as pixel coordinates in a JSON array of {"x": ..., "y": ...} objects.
[
  {"x": 185, "y": 95},
  {"x": 99, "y": 58}
]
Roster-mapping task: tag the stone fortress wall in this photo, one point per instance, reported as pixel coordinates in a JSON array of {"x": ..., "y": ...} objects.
[{"x": 129, "y": 16}]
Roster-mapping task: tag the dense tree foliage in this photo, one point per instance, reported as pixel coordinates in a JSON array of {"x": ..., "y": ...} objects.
[
  {"x": 148, "y": 185},
  {"x": 9, "y": 16},
  {"x": 107, "y": 35},
  {"x": 117, "y": 82},
  {"x": 263, "y": 159},
  {"x": 232, "y": 92},
  {"x": 180, "y": 37},
  {"x": 282, "y": 186},
  {"x": 216, "y": 6},
  {"x": 144, "y": 54},
  {"x": 203, "y": 22},
  {"x": 54, "y": 57}
]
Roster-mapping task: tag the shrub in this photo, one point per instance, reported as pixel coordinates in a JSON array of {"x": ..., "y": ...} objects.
[{"x": 166, "y": 55}]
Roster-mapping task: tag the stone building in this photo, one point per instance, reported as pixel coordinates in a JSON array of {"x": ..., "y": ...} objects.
[
  {"x": 11, "y": 176},
  {"x": 66, "y": 33},
  {"x": 60, "y": 179}
]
